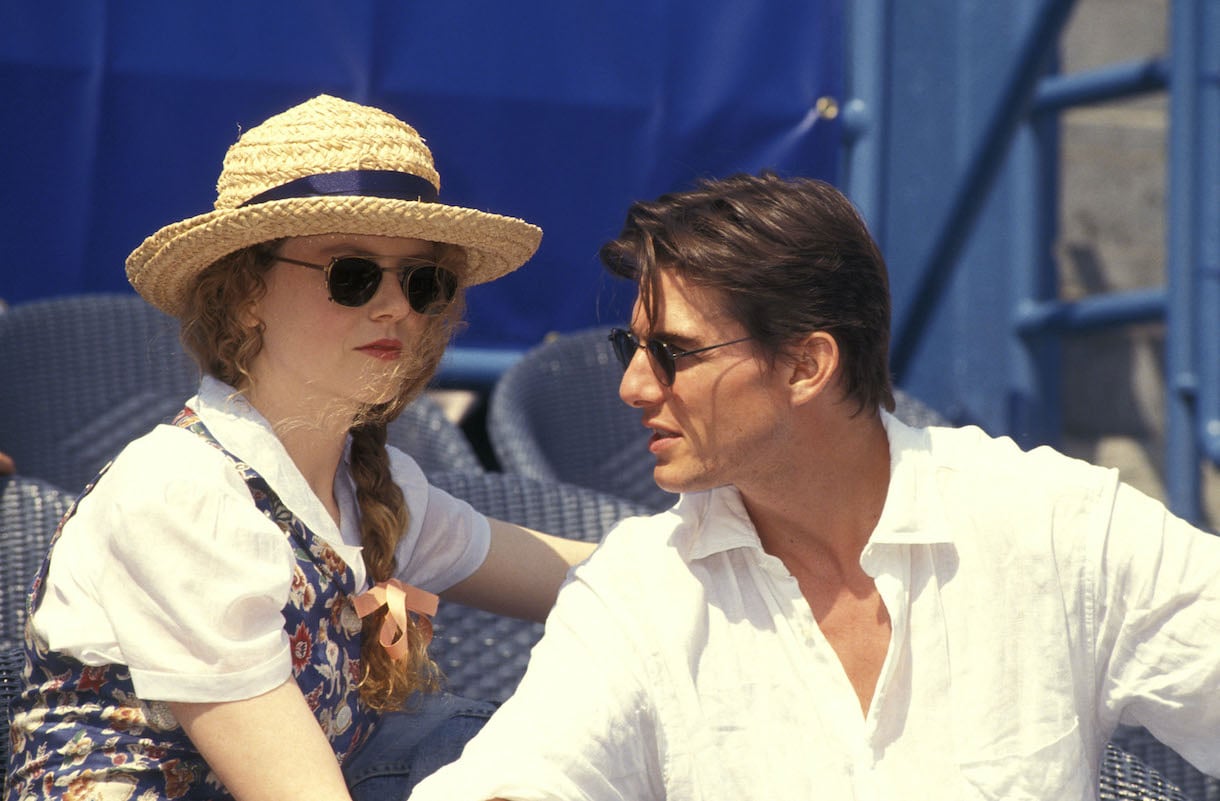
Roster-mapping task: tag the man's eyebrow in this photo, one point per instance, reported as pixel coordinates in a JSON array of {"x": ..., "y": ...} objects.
[{"x": 674, "y": 339}]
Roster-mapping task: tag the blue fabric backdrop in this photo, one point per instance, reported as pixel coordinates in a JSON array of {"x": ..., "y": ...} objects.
[{"x": 117, "y": 115}]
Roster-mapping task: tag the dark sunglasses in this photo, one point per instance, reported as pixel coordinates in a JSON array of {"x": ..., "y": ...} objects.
[
  {"x": 663, "y": 354},
  {"x": 353, "y": 280}
]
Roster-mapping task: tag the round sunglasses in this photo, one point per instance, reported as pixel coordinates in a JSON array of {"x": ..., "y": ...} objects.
[
  {"x": 662, "y": 353},
  {"x": 353, "y": 281}
]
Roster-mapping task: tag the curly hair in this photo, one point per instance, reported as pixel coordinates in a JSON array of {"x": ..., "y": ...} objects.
[{"x": 223, "y": 333}]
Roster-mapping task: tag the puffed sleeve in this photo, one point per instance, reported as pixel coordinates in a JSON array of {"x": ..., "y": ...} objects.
[
  {"x": 169, "y": 567},
  {"x": 1158, "y": 627},
  {"x": 446, "y": 539}
]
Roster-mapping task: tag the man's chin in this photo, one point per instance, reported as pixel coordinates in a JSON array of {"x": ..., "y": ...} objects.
[{"x": 673, "y": 481}]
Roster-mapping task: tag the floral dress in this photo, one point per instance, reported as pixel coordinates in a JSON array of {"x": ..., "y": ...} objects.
[{"x": 80, "y": 732}]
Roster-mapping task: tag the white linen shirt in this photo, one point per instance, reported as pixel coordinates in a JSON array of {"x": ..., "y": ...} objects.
[
  {"x": 169, "y": 568},
  {"x": 1035, "y": 603}
]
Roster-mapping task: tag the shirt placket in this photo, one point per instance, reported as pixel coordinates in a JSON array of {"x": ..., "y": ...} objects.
[
  {"x": 830, "y": 691},
  {"x": 889, "y": 565}
]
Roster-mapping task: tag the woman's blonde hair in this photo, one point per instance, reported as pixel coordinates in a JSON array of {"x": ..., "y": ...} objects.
[{"x": 221, "y": 330}]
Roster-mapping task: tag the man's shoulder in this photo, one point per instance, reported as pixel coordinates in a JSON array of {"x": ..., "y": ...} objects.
[
  {"x": 975, "y": 469},
  {"x": 971, "y": 449},
  {"x": 637, "y": 546},
  {"x": 644, "y": 531}
]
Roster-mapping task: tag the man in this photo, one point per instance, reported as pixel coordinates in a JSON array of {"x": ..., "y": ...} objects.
[{"x": 840, "y": 606}]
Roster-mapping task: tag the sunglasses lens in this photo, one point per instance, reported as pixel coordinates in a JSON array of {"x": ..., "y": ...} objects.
[
  {"x": 661, "y": 357},
  {"x": 624, "y": 345},
  {"x": 429, "y": 289},
  {"x": 353, "y": 281}
]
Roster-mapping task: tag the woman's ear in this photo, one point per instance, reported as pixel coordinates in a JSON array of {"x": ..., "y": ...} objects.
[{"x": 815, "y": 366}]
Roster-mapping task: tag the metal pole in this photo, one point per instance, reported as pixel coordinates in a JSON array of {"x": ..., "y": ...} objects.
[
  {"x": 1183, "y": 455},
  {"x": 1013, "y": 105}
]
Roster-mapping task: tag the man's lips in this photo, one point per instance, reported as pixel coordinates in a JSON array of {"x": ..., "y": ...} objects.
[
  {"x": 660, "y": 438},
  {"x": 388, "y": 349}
]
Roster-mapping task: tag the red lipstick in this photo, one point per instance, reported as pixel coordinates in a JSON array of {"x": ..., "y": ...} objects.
[{"x": 385, "y": 349}]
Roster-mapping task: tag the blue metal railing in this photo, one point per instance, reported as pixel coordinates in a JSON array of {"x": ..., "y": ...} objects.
[
  {"x": 1116, "y": 81},
  {"x": 1087, "y": 314},
  {"x": 1193, "y": 357},
  {"x": 1189, "y": 303},
  {"x": 1011, "y": 111}
]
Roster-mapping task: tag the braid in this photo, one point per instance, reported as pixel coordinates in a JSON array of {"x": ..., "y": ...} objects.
[{"x": 385, "y": 683}]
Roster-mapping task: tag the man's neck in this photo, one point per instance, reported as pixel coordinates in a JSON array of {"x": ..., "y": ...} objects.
[
  {"x": 826, "y": 503},
  {"x": 816, "y": 519}
]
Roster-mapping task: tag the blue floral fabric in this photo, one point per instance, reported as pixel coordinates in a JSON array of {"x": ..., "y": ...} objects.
[{"x": 80, "y": 732}]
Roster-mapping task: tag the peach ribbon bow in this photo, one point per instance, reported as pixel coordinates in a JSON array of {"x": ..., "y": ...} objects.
[{"x": 400, "y": 599}]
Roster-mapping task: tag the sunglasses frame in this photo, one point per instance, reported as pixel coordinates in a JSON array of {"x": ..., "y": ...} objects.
[
  {"x": 432, "y": 309},
  {"x": 663, "y": 356}
]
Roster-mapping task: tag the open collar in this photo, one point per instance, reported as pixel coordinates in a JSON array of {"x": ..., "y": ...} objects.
[{"x": 715, "y": 521}]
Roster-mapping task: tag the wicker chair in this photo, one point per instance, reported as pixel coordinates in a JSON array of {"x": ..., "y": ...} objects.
[
  {"x": 556, "y": 415},
  {"x": 484, "y": 655},
  {"x": 12, "y": 661},
  {"x": 1138, "y": 766},
  {"x": 82, "y": 376},
  {"x": 30, "y": 510},
  {"x": 439, "y": 446}
]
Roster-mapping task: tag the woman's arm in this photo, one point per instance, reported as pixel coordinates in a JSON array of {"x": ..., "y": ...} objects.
[
  {"x": 522, "y": 572},
  {"x": 266, "y": 747}
]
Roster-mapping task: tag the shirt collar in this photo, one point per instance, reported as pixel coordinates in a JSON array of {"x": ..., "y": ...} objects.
[
  {"x": 244, "y": 432},
  {"x": 711, "y": 522},
  {"x": 716, "y": 520},
  {"x": 914, "y": 511}
]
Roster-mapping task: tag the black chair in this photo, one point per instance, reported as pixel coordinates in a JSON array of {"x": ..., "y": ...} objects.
[
  {"x": 556, "y": 415},
  {"x": 82, "y": 376},
  {"x": 30, "y": 510},
  {"x": 484, "y": 655}
]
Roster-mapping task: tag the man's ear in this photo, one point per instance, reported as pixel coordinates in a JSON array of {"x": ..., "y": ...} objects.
[{"x": 815, "y": 366}]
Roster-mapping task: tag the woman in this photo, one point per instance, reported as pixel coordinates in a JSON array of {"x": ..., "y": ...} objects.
[{"x": 195, "y": 631}]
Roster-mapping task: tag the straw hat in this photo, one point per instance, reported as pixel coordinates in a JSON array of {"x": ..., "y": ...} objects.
[{"x": 325, "y": 166}]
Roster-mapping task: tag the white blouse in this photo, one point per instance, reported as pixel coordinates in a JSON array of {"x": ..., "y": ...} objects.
[{"x": 169, "y": 568}]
